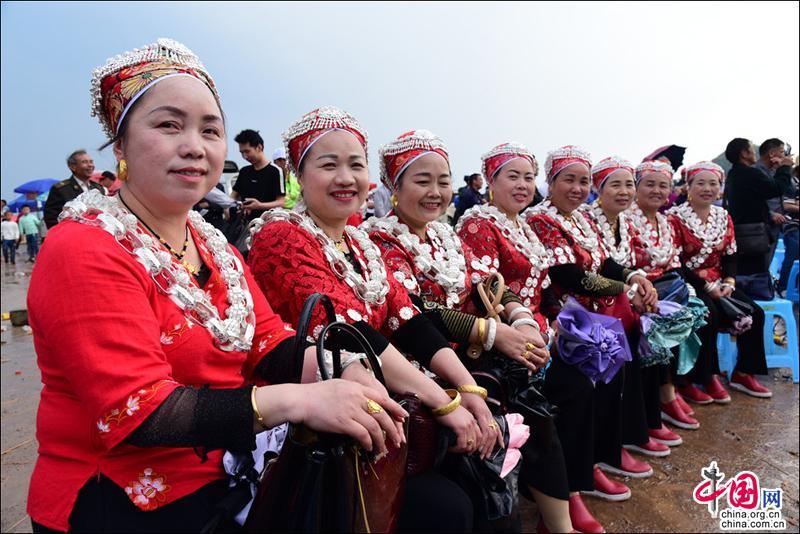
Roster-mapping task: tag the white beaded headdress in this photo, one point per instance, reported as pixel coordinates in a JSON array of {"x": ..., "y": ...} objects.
[
  {"x": 603, "y": 169},
  {"x": 496, "y": 158},
  {"x": 302, "y": 135},
  {"x": 417, "y": 143},
  {"x": 708, "y": 166},
  {"x": 650, "y": 167},
  {"x": 572, "y": 153},
  {"x": 166, "y": 54}
]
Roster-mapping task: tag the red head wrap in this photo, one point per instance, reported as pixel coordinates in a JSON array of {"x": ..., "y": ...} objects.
[
  {"x": 302, "y": 135},
  {"x": 704, "y": 166},
  {"x": 604, "y": 168},
  {"x": 653, "y": 167},
  {"x": 405, "y": 150},
  {"x": 124, "y": 78},
  {"x": 562, "y": 157},
  {"x": 499, "y": 156}
]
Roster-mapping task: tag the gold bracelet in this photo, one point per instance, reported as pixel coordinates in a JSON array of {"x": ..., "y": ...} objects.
[
  {"x": 481, "y": 329},
  {"x": 451, "y": 406},
  {"x": 255, "y": 408},
  {"x": 730, "y": 281},
  {"x": 477, "y": 390}
]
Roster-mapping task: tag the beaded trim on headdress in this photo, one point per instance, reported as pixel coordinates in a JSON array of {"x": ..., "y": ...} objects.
[
  {"x": 650, "y": 167},
  {"x": 320, "y": 119},
  {"x": 604, "y": 168},
  {"x": 570, "y": 152},
  {"x": 709, "y": 166},
  {"x": 166, "y": 51},
  {"x": 400, "y": 153},
  {"x": 492, "y": 161}
]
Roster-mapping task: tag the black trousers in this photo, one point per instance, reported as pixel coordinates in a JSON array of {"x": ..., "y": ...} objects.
[
  {"x": 652, "y": 379},
  {"x": 707, "y": 363},
  {"x": 634, "y": 416},
  {"x": 543, "y": 465},
  {"x": 435, "y": 503},
  {"x": 750, "y": 345},
  {"x": 573, "y": 393},
  {"x": 608, "y": 420}
]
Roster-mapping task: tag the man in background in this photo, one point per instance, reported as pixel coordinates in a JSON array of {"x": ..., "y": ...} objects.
[
  {"x": 81, "y": 166},
  {"x": 771, "y": 157},
  {"x": 260, "y": 184}
]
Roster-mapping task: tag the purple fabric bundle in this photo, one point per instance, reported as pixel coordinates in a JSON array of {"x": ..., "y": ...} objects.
[{"x": 594, "y": 343}]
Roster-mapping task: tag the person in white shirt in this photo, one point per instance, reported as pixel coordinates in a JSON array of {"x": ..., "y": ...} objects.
[{"x": 10, "y": 233}]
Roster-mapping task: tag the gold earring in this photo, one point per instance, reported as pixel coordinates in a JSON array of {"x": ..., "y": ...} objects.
[
  {"x": 394, "y": 200},
  {"x": 122, "y": 170},
  {"x": 689, "y": 197},
  {"x": 600, "y": 202},
  {"x": 491, "y": 195}
]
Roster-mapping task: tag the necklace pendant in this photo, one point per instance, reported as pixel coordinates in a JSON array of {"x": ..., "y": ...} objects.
[{"x": 189, "y": 267}]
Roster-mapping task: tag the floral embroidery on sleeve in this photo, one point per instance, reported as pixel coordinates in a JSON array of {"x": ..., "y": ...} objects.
[{"x": 132, "y": 405}]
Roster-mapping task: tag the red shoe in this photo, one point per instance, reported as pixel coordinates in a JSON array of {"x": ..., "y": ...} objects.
[
  {"x": 671, "y": 412},
  {"x": 717, "y": 392},
  {"x": 610, "y": 490},
  {"x": 748, "y": 384},
  {"x": 582, "y": 519},
  {"x": 629, "y": 467},
  {"x": 683, "y": 404},
  {"x": 651, "y": 448},
  {"x": 665, "y": 436},
  {"x": 695, "y": 395}
]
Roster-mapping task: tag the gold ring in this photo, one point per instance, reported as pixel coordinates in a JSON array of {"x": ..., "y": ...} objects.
[
  {"x": 654, "y": 290},
  {"x": 527, "y": 355},
  {"x": 470, "y": 442},
  {"x": 493, "y": 425},
  {"x": 529, "y": 346},
  {"x": 373, "y": 407}
]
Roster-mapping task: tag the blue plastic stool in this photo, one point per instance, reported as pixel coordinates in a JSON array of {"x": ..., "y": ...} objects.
[
  {"x": 777, "y": 260},
  {"x": 726, "y": 349},
  {"x": 778, "y": 355},
  {"x": 792, "y": 293}
]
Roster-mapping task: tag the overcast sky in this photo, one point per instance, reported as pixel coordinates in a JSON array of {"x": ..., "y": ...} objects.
[{"x": 616, "y": 78}]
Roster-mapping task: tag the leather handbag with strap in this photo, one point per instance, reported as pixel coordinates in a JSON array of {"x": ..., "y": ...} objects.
[{"x": 326, "y": 482}]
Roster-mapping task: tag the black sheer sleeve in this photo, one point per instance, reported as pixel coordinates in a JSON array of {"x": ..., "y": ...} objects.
[
  {"x": 419, "y": 337},
  {"x": 575, "y": 279},
  {"x": 208, "y": 418},
  {"x": 728, "y": 265}
]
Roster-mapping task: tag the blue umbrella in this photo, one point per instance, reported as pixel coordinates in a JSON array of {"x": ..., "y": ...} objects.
[
  {"x": 17, "y": 204},
  {"x": 36, "y": 186}
]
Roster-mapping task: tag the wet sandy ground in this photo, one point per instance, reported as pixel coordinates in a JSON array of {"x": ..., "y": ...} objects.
[{"x": 748, "y": 434}]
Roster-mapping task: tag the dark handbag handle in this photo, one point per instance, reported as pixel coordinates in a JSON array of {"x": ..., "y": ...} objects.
[
  {"x": 348, "y": 329},
  {"x": 303, "y": 324}
]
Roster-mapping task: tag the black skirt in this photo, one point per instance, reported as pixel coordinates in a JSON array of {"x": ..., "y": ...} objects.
[{"x": 573, "y": 393}]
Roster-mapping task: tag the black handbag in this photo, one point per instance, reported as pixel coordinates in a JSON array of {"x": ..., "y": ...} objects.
[
  {"x": 324, "y": 482},
  {"x": 752, "y": 239},
  {"x": 759, "y": 286}
]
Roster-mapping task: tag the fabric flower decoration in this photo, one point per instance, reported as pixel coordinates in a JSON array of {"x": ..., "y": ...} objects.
[{"x": 594, "y": 343}]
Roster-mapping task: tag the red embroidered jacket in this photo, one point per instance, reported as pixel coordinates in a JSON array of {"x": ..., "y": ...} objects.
[
  {"x": 498, "y": 253},
  {"x": 111, "y": 347},
  {"x": 710, "y": 269},
  {"x": 289, "y": 265}
]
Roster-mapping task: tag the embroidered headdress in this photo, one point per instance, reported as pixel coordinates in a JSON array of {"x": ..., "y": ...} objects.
[
  {"x": 653, "y": 167},
  {"x": 118, "y": 84},
  {"x": 604, "y": 168},
  {"x": 302, "y": 135},
  {"x": 499, "y": 156},
  {"x": 704, "y": 166},
  {"x": 564, "y": 156},
  {"x": 398, "y": 155}
]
